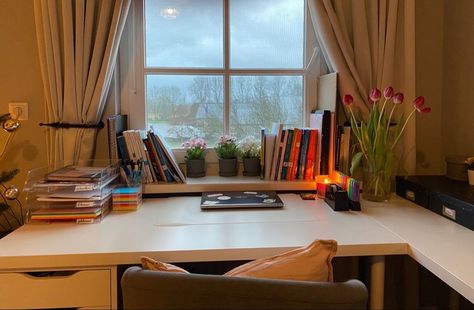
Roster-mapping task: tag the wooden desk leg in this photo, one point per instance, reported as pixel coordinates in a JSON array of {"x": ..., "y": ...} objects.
[{"x": 377, "y": 281}]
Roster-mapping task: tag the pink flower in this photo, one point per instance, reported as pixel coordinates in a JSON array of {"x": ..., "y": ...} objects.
[
  {"x": 347, "y": 100},
  {"x": 375, "y": 95},
  {"x": 398, "y": 98},
  {"x": 419, "y": 102},
  {"x": 388, "y": 92}
]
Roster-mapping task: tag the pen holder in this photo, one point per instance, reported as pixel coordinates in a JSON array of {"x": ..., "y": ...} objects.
[
  {"x": 336, "y": 198},
  {"x": 127, "y": 198}
]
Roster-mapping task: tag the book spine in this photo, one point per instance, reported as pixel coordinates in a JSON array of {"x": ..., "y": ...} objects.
[
  {"x": 296, "y": 155},
  {"x": 286, "y": 158},
  {"x": 279, "y": 162},
  {"x": 168, "y": 176},
  {"x": 309, "y": 168},
  {"x": 325, "y": 142},
  {"x": 337, "y": 155},
  {"x": 262, "y": 153},
  {"x": 303, "y": 154},
  {"x": 277, "y": 129}
]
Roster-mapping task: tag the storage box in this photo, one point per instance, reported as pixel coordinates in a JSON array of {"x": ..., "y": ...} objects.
[
  {"x": 451, "y": 199},
  {"x": 456, "y": 168}
]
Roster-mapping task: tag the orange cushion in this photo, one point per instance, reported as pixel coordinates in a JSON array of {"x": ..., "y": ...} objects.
[
  {"x": 151, "y": 264},
  {"x": 310, "y": 263}
]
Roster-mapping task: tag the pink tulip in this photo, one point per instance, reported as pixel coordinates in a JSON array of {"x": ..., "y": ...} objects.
[
  {"x": 388, "y": 92},
  {"x": 375, "y": 95},
  {"x": 398, "y": 98},
  {"x": 425, "y": 110},
  {"x": 347, "y": 100},
  {"x": 419, "y": 102}
]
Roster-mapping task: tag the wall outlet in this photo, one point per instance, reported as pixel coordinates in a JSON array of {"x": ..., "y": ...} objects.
[{"x": 18, "y": 110}]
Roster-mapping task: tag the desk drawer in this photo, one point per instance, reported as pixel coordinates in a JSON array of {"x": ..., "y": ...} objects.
[{"x": 60, "y": 289}]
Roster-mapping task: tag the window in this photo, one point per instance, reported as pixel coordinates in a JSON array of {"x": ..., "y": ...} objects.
[{"x": 212, "y": 67}]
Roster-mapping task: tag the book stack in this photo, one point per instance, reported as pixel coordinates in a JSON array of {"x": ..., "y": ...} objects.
[
  {"x": 126, "y": 198},
  {"x": 72, "y": 193},
  {"x": 298, "y": 153},
  {"x": 160, "y": 165}
]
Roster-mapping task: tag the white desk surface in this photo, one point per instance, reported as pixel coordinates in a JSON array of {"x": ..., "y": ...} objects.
[{"x": 176, "y": 230}]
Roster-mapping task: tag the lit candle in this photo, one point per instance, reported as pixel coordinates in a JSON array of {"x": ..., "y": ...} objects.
[{"x": 321, "y": 184}]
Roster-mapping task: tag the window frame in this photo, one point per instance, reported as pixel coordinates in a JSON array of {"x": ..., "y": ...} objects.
[{"x": 133, "y": 71}]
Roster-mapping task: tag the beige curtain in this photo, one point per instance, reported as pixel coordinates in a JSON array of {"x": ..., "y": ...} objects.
[
  {"x": 78, "y": 43},
  {"x": 369, "y": 43}
]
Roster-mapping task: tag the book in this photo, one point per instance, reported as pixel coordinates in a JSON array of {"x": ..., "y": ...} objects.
[
  {"x": 311, "y": 152},
  {"x": 321, "y": 120},
  {"x": 281, "y": 154},
  {"x": 116, "y": 125},
  {"x": 168, "y": 152},
  {"x": 287, "y": 152},
  {"x": 303, "y": 154},
  {"x": 277, "y": 130},
  {"x": 262, "y": 152},
  {"x": 225, "y": 200},
  {"x": 122, "y": 147},
  {"x": 295, "y": 153},
  {"x": 168, "y": 175},
  {"x": 270, "y": 140}
]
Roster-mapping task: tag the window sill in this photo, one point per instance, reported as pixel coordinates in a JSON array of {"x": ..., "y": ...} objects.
[{"x": 217, "y": 183}]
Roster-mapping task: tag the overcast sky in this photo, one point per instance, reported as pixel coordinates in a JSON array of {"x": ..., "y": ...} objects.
[{"x": 264, "y": 33}]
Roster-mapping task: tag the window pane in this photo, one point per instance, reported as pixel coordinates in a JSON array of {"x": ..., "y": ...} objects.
[
  {"x": 266, "y": 34},
  {"x": 180, "y": 107},
  {"x": 257, "y": 101},
  {"x": 184, "y": 33}
]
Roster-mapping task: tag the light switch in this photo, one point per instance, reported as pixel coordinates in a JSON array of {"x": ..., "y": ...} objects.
[{"x": 18, "y": 110}]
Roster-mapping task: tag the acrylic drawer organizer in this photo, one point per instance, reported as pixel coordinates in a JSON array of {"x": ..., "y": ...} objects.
[{"x": 79, "y": 193}]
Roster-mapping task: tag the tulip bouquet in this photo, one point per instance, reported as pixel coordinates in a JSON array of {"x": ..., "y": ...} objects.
[{"x": 377, "y": 140}]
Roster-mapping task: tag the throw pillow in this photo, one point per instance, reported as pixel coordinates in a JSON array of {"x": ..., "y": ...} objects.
[
  {"x": 151, "y": 264},
  {"x": 310, "y": 263}
]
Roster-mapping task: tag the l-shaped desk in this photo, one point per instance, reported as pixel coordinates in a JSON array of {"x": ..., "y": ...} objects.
[{"x": 71, "y": 265}]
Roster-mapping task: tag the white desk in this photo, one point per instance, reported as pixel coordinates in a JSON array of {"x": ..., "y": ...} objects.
[{"x": 175, "y": 230}]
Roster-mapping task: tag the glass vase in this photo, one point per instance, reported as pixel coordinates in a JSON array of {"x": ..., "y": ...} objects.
[{"x": 377, "y": 179}]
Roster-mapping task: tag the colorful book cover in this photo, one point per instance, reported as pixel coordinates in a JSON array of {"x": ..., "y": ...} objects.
[
  {"x": 281, "y": 154},
  {"x": 286, "y": 157},
  {"x": 309, "y": 168},
  {"x": 277, "y": 130},
  {"x": 303, "y": 154},
  {"x": 293, "y": 153},
  {"x": 294, "y": 164}
]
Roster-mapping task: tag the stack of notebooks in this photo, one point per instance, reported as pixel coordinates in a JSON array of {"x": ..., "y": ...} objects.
[
  {"x": 72, "y": 193},
  {"x": 151, "y": 148},
  {"x": 126, "y": 198}
]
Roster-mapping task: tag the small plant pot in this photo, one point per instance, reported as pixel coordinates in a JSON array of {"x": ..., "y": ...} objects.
[
  {"x": 470, "y": 175},
  {"x": 228, "y": 167},
  {"x": 196, "y": 168},
  {"x": 251, "y": 167}
]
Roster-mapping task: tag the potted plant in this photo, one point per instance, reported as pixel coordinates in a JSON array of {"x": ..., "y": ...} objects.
[
  {"x": 227, "y": 151},
  {"x": 195, "y": 161},
  {"x": 250, "y": 151},
  {"x": 470, "y": 170}
]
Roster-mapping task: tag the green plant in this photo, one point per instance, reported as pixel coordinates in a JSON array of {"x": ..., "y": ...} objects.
[
  {"x": 249, "y": 147},
  {"x": 226, "y": 147},
  {"x": 195, "y": 148}
]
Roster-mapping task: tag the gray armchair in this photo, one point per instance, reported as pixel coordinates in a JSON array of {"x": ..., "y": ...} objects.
[{"x": 144, "y": 289}]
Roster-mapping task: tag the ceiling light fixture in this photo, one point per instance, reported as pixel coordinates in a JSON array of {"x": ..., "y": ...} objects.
[{"x": 169, "y": 13}]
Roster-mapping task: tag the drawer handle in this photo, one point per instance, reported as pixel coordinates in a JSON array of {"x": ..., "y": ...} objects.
[
  {"x": 51, "y": 274},
  {"x": 449, "y": 213},
  {"x": 410, "y": 195}
]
